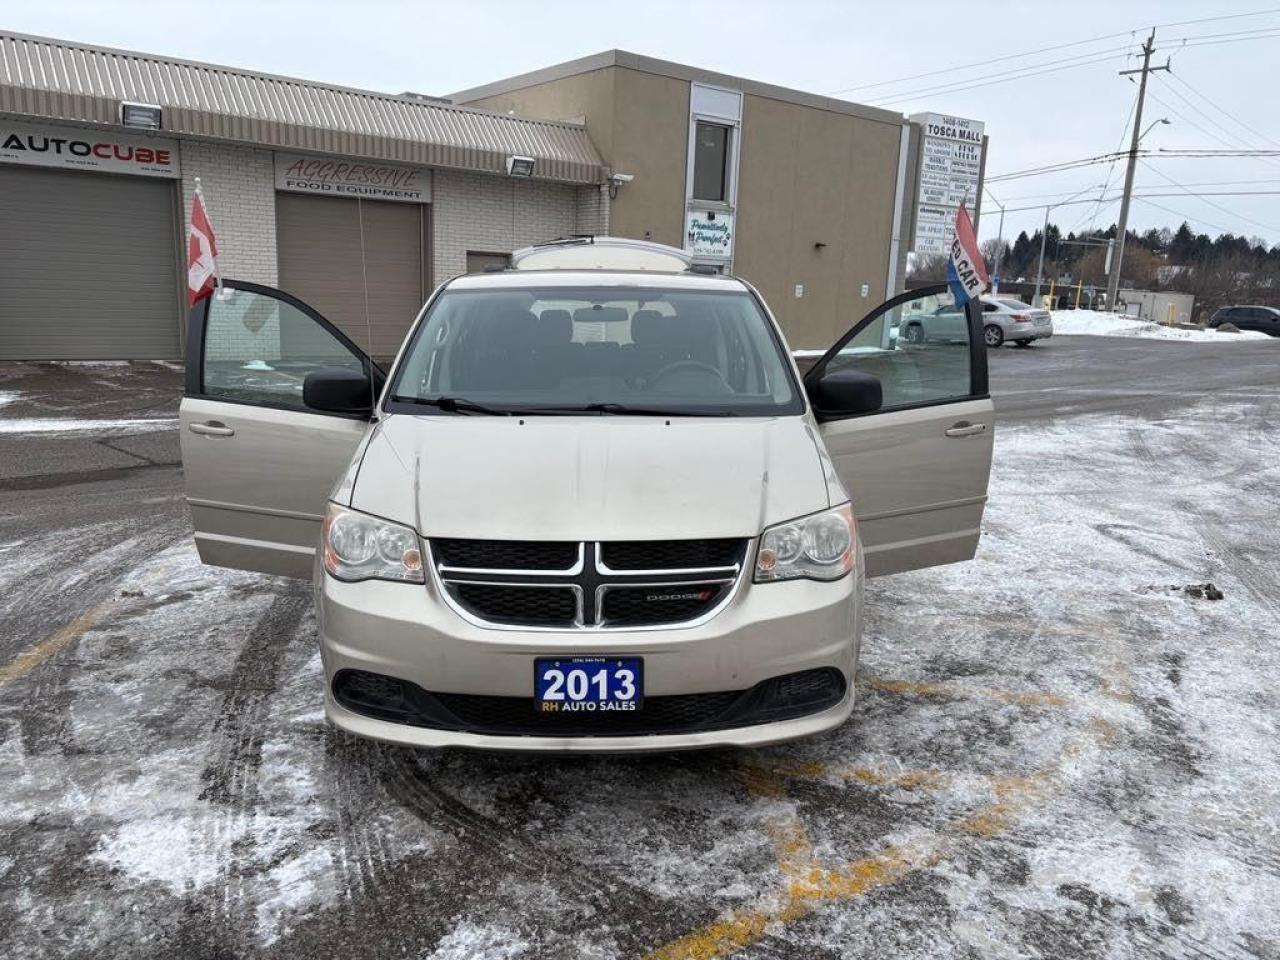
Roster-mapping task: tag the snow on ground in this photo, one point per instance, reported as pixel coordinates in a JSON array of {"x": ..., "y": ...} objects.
[
  {"x": 1056, "y": 752},
  {"x": 1100, "y": 324},
  {"x": 47, "y": 425}
]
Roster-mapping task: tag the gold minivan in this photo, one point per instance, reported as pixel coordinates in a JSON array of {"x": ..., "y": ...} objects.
[{"x": 591, "y": 505}]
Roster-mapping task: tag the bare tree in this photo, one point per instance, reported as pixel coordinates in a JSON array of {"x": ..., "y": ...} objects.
[{"x": 927, "y": 266}]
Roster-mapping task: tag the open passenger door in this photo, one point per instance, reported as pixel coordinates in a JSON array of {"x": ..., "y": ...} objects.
[
  {"x": 917, "y": 465},
  {"x": 259, "y": 462}
]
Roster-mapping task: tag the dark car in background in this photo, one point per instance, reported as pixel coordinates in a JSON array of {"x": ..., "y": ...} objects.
[{"x": 1263, "y": 319}]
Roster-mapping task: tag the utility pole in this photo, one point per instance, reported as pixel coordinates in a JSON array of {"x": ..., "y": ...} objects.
[
  {"x": 995, "y": 269},
  {"x": 1113, "y": 279}
]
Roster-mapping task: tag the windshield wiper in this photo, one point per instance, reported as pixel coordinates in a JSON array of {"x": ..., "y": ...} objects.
[
  {"x": 625, "y": 410},
  {"x": 453, "y": 405}
]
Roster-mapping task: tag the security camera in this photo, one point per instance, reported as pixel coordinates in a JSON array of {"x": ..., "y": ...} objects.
[{"x": 622, "y": 177}]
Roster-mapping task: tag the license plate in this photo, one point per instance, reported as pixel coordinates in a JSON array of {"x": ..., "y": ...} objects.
[{"x": 588, "y": 684}]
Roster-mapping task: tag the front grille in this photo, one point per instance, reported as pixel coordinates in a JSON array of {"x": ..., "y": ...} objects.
[
  {"x": 506, "y": 554},
  {"x": 514, "y": 604},
  {"x": 671, "y": 554},
  {"x": 643, "y": 606},
  {"x": 778, "y": 698},
  {"x": 587, "y": 585}
]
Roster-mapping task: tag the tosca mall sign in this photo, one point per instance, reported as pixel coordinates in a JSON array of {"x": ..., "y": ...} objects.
[
  {"x": 97, "y": 151},
  {"x": 949, "y": 171},
  {"x": 352, "y": 179}
]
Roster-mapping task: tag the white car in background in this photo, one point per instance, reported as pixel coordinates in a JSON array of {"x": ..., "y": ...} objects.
[{"x": 1003, "y": 318}]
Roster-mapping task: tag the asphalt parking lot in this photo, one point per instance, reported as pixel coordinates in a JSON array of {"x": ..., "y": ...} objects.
[{"x": 1061, "y": 749}]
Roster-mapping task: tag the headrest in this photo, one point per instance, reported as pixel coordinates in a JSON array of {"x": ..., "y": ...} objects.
[
  {"x": 556, "y": 325},
  {"x": 648, "y": 327}
]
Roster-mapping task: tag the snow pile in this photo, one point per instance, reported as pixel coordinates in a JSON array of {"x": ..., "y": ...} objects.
[
  {"x": 1099, "y": 324},
  {"x": 50, "y": 425}
]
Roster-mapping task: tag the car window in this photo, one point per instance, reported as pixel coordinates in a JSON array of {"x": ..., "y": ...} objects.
[
  {"x": 989, "y": 308},
  {"x": 680, "y": 351},
  {"x": 1015, "y": 304},
  {"x": 919, "y": 353},
  {"x": 259, "y": 349}
]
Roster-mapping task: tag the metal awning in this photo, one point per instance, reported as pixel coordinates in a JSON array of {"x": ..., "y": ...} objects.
[{"x": 56, "y": 79}]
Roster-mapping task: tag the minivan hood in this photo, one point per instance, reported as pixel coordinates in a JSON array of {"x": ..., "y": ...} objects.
[{"x": 590, "y": 478}]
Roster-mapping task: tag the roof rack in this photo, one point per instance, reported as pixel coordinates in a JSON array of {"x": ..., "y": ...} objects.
[{"x": 602, "y": 253}]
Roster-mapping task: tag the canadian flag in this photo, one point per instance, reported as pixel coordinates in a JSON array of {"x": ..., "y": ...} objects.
[{"x": 202, "y": 252}]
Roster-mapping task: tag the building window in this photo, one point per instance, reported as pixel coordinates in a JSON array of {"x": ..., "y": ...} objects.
[{"x": 711, "y": 162}]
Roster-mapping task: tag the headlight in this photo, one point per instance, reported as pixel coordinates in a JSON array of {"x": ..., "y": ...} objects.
[
  {"x": 817, "y": 547},
  {"x": 360, "y": 547}
]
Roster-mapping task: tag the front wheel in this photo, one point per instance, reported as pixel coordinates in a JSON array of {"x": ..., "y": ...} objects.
[
  {"x": 914, "y": 333},
  {"x": 993, "y": 335},
  {"x": 1022, "y": 343}
]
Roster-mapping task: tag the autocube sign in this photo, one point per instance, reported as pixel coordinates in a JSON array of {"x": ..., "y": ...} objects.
[
  {"x": 40, "y": 145},
  {"x": 355, "y": 179},
  {"x": 709, "y": 233},
  {"x": 950, "y": 166}
]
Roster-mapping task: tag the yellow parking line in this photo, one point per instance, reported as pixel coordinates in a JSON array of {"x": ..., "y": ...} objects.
[
  {"x": 52, "y": 645},
  {"x": 923, "y": 688},
  {"x": 903, "y": 779},
  {"x": 810, "y": 886}
]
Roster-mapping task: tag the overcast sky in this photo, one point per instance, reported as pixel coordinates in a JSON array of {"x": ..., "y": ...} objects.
[{"x": 823, "y": 47}]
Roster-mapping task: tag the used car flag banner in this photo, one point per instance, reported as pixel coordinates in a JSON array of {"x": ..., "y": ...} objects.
[
  {"x": 202, "y": 252},
  {"x": 966, "y": 271}
]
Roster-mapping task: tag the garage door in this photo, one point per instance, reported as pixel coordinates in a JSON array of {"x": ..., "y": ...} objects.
[
  {"x": 322, "y": 262},
  {"x": 88, "y": 267}
]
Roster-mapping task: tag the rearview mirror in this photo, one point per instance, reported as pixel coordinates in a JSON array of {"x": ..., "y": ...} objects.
[
  {"x": 845, "y": 393},
  {"x": 338, "y": 390}
]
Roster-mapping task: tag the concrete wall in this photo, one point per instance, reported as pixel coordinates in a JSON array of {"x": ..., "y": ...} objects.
[
  {"x": 811, "y": 177},
  {"x": 651, "y": 141},
  {"x": 473, "y": 211}
]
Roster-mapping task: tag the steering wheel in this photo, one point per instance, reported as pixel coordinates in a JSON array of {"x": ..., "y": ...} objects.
[{"x": 681, "y": 366}]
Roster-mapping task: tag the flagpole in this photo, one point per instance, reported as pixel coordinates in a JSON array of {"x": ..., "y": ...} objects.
[{"x": 217, "y": 274}]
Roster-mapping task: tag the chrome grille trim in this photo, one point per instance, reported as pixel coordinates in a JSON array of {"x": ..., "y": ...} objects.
[
  {"x": 519, "y": 571},
  {"x": 658, "y": 571},
  {"x": 443, "y": 578}
]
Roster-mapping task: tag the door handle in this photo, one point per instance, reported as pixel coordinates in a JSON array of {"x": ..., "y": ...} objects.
[
  {"x": 212, "y": 429},
  {"x": 966, "y": 429}
]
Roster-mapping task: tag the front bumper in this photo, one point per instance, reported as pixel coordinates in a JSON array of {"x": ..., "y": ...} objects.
[{"x": 765, "y": 631}]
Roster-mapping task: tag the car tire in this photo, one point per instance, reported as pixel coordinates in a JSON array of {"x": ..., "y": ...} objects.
[
  {"x": 914, "y": 333},
  {"x": 993, "y": 335},
  {"x": 1022, "y": 343}
]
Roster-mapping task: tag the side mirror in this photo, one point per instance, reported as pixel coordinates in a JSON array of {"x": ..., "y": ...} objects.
[
  {"x": 845, "y": 393},
  {"x": 338, "y": 390}
]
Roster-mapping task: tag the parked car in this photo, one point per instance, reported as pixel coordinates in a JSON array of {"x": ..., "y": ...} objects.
[
  {"x": 1265, "y": 319},
  {"x": 1003, "y": 318},
  {"x": 591, "y": 505}
]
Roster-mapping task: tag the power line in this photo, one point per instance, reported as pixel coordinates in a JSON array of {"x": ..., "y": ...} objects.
[
  {"x": 1018, "y": 73},
  {"x": 1184, "y": 217},
  {"x": 982, "y": 63},
  {"x": 1111, "y": 167},
  {"x": 1261, "y": 136},
  {"x": 1203, "y": 198},
  {"x": 1057, "y": 46}
]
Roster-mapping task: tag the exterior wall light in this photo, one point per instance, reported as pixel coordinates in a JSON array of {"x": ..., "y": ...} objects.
[
  {"x": 520, "y": 166},
  {"x": 142, "y": 116}
]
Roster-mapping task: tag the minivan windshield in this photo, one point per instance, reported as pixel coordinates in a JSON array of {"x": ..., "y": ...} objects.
[{"x": 602, "y": 350}]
